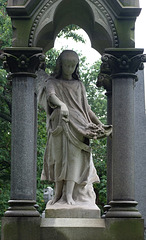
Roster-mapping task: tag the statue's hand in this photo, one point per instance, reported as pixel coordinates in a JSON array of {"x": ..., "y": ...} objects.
[
  {"x": 108, "y": 130},
  {"x": 93, "y": 130},
  {"x": 64, "y": 111}
]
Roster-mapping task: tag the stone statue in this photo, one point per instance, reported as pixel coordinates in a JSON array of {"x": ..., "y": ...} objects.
[{"x": 70, "y": 124}]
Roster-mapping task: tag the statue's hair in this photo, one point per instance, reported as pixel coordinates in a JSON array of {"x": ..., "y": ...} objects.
[{"x": 58, "y": 69}]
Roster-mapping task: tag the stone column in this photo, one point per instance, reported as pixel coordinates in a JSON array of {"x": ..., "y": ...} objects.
[
  {"x": 22, "y": 64},
  {"x": 123, "y": 64},
  {"x": 104, "y": 80}
]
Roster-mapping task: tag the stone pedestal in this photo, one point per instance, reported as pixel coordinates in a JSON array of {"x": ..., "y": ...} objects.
[
  {"x": 91, "y": 229},
  {"x": 72, "y": 229},
  {"x": 72, "y": 211}
]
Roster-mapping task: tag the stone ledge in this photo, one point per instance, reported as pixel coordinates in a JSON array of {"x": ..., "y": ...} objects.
[{"x": 72, "y": 222}]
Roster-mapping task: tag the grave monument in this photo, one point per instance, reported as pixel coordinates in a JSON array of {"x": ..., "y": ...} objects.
[{"x": 110, "y": 26}]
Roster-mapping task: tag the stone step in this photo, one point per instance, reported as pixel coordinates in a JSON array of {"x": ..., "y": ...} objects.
[{"x": 72, "y": 229}]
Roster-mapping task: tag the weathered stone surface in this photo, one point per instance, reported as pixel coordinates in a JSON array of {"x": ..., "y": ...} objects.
[
  {"x": 140, "y": 145},
  {"x": 122, "y": 65},
  {"x": 134, "y": 3},
  {"x": 73, "y": 211},
  {"x": 91, "y": 229},
  {"x": 21, "y": 228},
  {"x": 23, "y": 120},
  {"x": 42, "y": 20},
  {"x": 124, "y": 229},
  {"x": 72, "y": 229},
  {"x": 22, "y": 64}
]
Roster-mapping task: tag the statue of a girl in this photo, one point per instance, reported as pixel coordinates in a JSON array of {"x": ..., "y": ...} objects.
[{"x": 70, "y": 124}]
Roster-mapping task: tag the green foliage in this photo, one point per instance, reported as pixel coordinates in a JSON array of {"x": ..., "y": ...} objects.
[
  {"x": 5, "y": 26},
  {"x": 41, "y": 143},
  {"x": 4, "y": 196},
  {"x": 70, "y": 32},
  {"x": 5, "y": 113},
  {"x": 5, "y": 96},
  {"x": 5, "y": 141},
  {"x": 5, "y": 126},
  {"x": 51, "y": 57}
]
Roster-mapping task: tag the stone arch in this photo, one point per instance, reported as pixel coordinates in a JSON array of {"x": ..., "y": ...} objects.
[{"x": 90, "y": 15}]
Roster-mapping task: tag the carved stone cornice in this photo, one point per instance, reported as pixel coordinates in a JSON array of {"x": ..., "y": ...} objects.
[
  {"x": 98, "y": 4},
  {"x": 106, "y": 13},
  {"x": 22, "y": 61}
]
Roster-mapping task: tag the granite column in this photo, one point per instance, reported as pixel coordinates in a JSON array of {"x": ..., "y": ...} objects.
[
  {"x": 123, "y": 64},
  {"x": 22, "y": 64}
]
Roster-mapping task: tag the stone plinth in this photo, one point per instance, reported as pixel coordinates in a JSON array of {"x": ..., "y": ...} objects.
[
  {"x": 21, "y": 228},
  {"x": 91, "y": 229},
  {"x": 71, "y": 211},
  {"x": 72, "y": 229}
]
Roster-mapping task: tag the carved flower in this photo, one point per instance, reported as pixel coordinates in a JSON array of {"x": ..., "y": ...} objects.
[
  {"x": 124, "y": 62},
  {"x": 23, "y": 61}
]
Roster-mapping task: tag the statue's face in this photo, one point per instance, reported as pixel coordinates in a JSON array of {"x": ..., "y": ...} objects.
[{"x": 68, "y": 67}]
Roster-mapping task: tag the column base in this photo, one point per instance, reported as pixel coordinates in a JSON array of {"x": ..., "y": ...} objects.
[
  {"x": 22, "y": 208},
  {"x": 123, "y": 209},
  {"x": 106, "y": 209}
]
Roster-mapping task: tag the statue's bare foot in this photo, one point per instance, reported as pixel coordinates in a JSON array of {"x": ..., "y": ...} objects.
[
  {"x": 70, "y": 200},
  {"x": 54, "y": 200}
]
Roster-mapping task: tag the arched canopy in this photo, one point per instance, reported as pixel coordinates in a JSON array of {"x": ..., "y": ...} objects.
[
  {"x": 76, "y": 12},
  {"x": 107, "y": 23}
]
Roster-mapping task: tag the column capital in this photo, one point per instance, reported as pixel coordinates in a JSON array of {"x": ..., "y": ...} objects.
[
  {"x": 22, "y": 60},
  {"x": 123, "y": 61},
  {"x": 120, "y": 62}
]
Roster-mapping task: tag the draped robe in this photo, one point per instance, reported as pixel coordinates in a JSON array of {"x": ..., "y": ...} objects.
[{"x": 68, "y": 154}]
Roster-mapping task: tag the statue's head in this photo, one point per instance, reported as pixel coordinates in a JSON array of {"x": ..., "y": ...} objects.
[{"x": 67, "y": 56}]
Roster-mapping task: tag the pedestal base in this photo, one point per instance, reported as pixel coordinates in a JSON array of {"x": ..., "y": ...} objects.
[
  {"x": 72, "y": 229},
  {"x": 30, "y": 228},
  {"x": 21, "y": 228},
  {"x": 91, "y": 229},
  {"x": 71, "y": 211}
]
